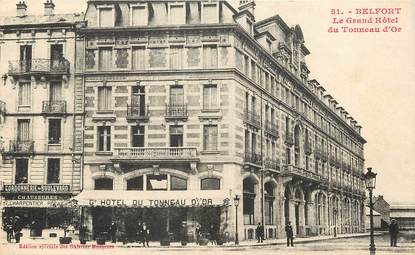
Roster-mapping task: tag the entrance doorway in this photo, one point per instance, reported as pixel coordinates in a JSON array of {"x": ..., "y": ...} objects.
[{"x": 101, "y": 220}]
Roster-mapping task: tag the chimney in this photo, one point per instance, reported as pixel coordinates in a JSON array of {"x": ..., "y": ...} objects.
[
  {"x": 49, "y": 8},
  {"x": 21, "y": 8},
  {"x": 247, "y": 5}
]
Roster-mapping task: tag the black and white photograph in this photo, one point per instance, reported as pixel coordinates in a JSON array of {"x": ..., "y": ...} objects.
[{"x": 207, "y": 127}]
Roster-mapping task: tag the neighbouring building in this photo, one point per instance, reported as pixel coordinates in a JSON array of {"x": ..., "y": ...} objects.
[
  {"x": 377, "y": 219},
  {"x": 40, "y": 124},
  {"x": 191, "y": 103},
  {"x": 382, "y": 206},
  {"x": 404, "y": 215}
]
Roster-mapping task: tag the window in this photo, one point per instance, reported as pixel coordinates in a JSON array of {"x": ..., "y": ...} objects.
[
  {"x": 210, "y": 13},
  {"x": 22, "y": 172},
  {"x": 248, "y": 201},
  {"x": 177, "y": 14},
  {"x": 139, "y": 16},
  {"x": 139, "y": 58},
  {"x": 24, "y": 94},
  {"x": 137, "y": 134},
  {"x": 269, "y": 203},
  {"x": 54, "y": 131},
  {"x": 177, "y": 183},
  {"x": 176, "y": 95},
  {"x": 210, "y": 56},
  {"x": 106, "y": 17},
  {"x": 210, "y": 138},
  {"x": 55, "y": 93},
  {"x": 105, "y": 59},
  {"x": 104, "y": 98},
  {"x": 53, "y": 170},
  {"x": 23, "y": 130},
  {"x": 253, "y": 70},
  {"x": 176, "y": 57},
  {"x": 25, "y": 58},
  {"x": 156, "y": 182},
  {"x": 103, "y": 184},
  {"x": 210, "y": 184},
  {"x": 138, "y": 103},
  {"x": 56, "y": 56},
  {"x": 210, "y": 97},
  {"x": 176, "y": 136},
  {"x": 135, "y": 183},
  {"x": 104, "y": 138}
]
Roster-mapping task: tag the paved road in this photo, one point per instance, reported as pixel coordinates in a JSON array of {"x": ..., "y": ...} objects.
[{"x": 351, "y": 246}]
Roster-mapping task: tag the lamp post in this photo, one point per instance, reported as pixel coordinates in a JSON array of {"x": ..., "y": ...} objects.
[
  {"x": 370, "y": 182},
  {"x": 236, "y": 203}
]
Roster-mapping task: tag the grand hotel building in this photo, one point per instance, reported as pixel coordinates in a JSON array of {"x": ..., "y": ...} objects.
[{"x": 188, "y": 104}]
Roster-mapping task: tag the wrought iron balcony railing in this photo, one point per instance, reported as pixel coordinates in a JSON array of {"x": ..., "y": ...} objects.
[
  {"x": 58, "y": 106},
  {"x": 21, "y": 146},
  {"x": 156, "y": 153},
  {"x": 39, "y": 65},
  {"x": 252, "y": 157},
  {"x": 272, "y": 163},
  {"x": 176, "y": 111},
  {"x": 137, "y": 112},
  {"x": 300, "y": 172},
  {"x": 271, "y": 128},
  {"x": 252, "y": 118}
]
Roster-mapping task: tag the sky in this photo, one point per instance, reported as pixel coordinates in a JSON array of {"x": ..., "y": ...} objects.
[{"x": 370, "y": 74}]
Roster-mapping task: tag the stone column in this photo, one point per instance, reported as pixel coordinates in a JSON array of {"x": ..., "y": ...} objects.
[
  {"x": 301, "y": 218},
  {"x": 291, "y": 206},
  {"x": 327, "y": 215},
  {"x": 280, "y": 216},
  {"x": 311, "y": 216}
]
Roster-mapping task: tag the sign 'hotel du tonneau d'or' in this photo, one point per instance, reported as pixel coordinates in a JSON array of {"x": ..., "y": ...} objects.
[{"x": 35, "y": 188}]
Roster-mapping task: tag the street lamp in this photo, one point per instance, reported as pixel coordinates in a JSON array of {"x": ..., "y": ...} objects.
[
  {"x": 236, "y": 203},
  {"x": 370, "y": 182}
]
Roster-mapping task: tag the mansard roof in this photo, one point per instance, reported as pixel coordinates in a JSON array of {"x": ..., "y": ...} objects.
[{"x": 39, "y": 20}]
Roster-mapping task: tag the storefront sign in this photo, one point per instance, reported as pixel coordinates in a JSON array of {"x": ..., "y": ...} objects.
[
  {"x": 36, "y": 196},
  {"x": 192, "y": 202},
  {"x": 33, "y": 188},
  {"x": 34, "y": 203}
]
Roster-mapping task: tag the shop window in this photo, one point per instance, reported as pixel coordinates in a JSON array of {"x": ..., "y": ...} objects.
[
  {"x": 210, "y": 97},
  {"x": 210, "y": 184},
  {"x": 177, "y": 183},
  {"x": 104, "y": 98},
  {"x": 137, "y": 134},
  {"x": 210, "y": 56},
  {"x": 54, "y": 131},
  {"x": 103, "y": 184},
  {"x": 135, "y": 183},
  {"x": 53, "y": 170},
  {"x": 25, "y": 94},
  {"x": 210, "y": 137},
  {"x": 248, "y": 201},
  {"x": 156, "y": 182},
  {"x": 22, "y": 171},
  {"x": 176, "y": 136},
  {"x": 104, "y": 138},
  {"x": 105, "y": 59}
]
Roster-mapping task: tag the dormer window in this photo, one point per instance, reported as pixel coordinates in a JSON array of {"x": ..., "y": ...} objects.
[
  {"x": 106, "y": 16},
  {"x": 139, "y": 15},
  {"x": 210, "y": 13},
  {"x": 177, "y": 14}
]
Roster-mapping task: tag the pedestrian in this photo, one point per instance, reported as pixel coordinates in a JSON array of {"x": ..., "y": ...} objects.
[
  {"x": 212, "y": 232},
  {"x": 17, "y": 228},
  {"x": 9, "y": 229},
  {"x": 82, "y": 234},
  {"x": 393, "y": 232},
  {"x": 113, "y": 232},
  {"x": 146, "y": 234},
  {"x": 259, "y": 233},
  {"x": 290, "y": 234},
  {"x": 198, "y": 233},
  {"x": 139, "y": 232}
]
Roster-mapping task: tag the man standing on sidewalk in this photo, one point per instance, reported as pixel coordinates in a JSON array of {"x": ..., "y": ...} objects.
[
  {"x": 393, "y": 232},
  {"x": 260, "y": 233},
  {"x": 290, "y": 234}
]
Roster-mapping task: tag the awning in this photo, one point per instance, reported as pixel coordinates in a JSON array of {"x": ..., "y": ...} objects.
[{"x": 157, "y": 199}]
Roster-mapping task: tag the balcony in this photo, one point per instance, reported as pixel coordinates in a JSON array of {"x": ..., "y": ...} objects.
[
  {"x": 289, "y": 138},
  {"x": 252, "y": 157},
  {"x": 271, "y": 128},
  {"x": 155, "y": 154},
  {"x": 272, "y": 164},
  {"x": 324, "y": 157},
  {"x": 300, "y": 172},
  {"x": 54, "y": 107},
  {"x": 176, "y": 111},
  {"x": 39, "y": 66},
  {"x": 252, "y": 118},
  {"x": 21, "y": 147},
  {"x": 137, "y": 113}
]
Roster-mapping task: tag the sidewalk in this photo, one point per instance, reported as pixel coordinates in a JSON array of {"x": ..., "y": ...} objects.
[{"x": 177, "y": 245}]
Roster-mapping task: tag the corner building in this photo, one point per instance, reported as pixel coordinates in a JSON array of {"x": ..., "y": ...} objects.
[
  {"x": 190, "y": 103},
  {"x": 40, "y": 123}
]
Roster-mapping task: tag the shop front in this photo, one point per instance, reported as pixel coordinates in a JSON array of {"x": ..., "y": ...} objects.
[
  {"x": 42, "y": 210},
  {"x": 171, "y": 215}
]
